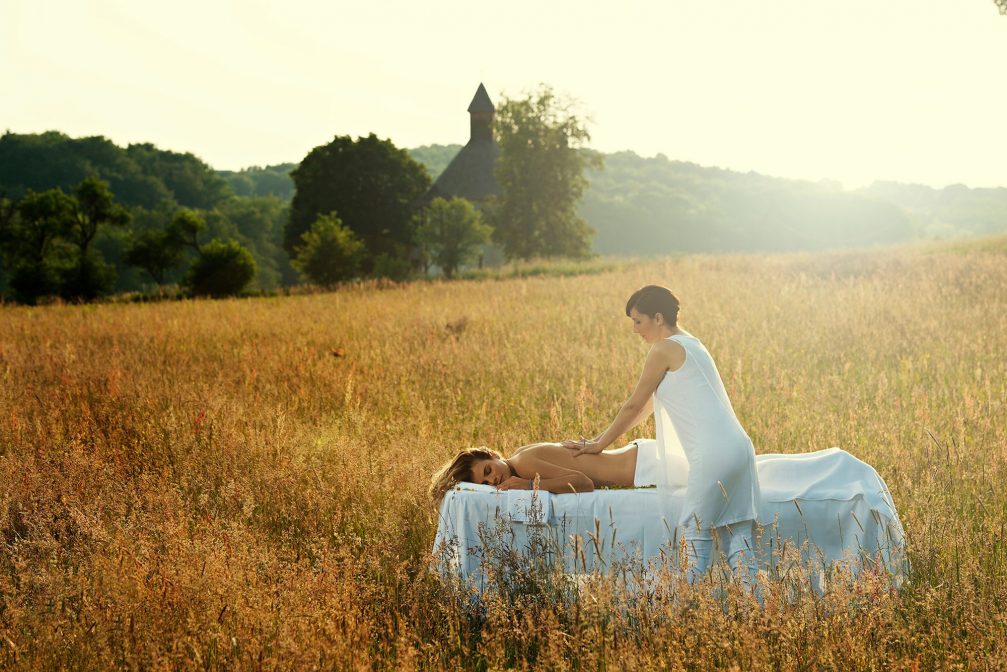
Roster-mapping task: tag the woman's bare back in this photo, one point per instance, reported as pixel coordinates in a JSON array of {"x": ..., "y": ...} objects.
[{"x": 549, "y": 460}]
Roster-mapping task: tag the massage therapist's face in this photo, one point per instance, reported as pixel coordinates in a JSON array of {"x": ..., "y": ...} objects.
[
  {"x": 645, "y": 325},
  {"x": 490, "y": 472}
]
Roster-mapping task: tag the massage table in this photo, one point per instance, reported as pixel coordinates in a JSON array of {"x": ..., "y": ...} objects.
[{"x": 819, "y": 511}]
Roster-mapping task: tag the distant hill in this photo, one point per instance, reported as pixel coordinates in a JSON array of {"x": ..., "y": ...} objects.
[
  {"x": 642, "y": 206},
  {"x": 435, "y": 157},
  {"x": 139, "y": 175},
  {"x": 264, "y": 181},
  {"x": 655, "y": 205},
  {"x": 637, "y": 205},
  {"x": 950, "y": 212}
]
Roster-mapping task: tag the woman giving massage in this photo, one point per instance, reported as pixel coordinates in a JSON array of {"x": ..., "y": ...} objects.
[{"x": 680, "y": 384}]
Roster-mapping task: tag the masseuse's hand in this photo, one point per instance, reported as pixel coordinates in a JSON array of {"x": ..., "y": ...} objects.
[
  {"x": 583, "y": 446},
  {"x": 515, "y": 483}
]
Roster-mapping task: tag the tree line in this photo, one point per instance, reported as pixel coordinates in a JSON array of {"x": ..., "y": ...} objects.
[
  {"x": 653, "y": 205},
  {"x": 82, "y": 218}
]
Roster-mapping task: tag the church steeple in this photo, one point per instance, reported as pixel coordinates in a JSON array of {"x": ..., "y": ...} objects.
[
  {"x": 481, "y": 112},
  {"x": 470, "y": 174}
]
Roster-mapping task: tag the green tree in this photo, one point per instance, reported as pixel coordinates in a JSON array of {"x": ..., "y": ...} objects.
[
  {"x": 369, "y": 182},
  {"x": 36, "y": 249},
  {"x": 190, "y": 181},
  {"x": 329, "y": 252},
  {"x": 258, "y": 222},
  {"x": 92, "y": 208},
  {"x": 541, "y": 176},
  {"x": 157, "y": 251},
  {"x": 186, "y": 227},
  {"x": 223, "y": 268},
  {"x": 8, "y": 209},
  {"x": 451, "y": 233}
]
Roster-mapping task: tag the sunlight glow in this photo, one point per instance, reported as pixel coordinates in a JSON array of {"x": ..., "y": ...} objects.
[{"x": 907, "y": 90}]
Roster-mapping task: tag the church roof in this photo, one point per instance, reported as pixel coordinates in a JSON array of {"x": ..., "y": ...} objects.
[
  {"x": 481, "y": 101},
  {"x": 470, "y": 173}
]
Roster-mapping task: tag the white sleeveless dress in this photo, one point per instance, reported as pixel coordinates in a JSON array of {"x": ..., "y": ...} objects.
[{"x": 695, "y": 419}]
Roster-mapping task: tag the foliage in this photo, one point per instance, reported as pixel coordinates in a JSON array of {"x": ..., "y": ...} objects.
[
  {"x": 140, "y": 175},
  {"x": 192, "y": 183},
  {"x": 397, "y": 267},
  {"x": 157, "y": 251},
  {"x": 257, "y": 222},
  {"x": 240, "y": 483},
  {"x": 153, "y": 251},
  {"x": 330, "y": 252},
  {"x": 435, "y": 158},
  {"x": 93, "y": 207},
  {"x": 186, "y": 226},
  {"x": 452, "y": 233},
  {"x": 656, "y": 206},
  {"x": 223, "y": 268},
  {"x": 266, "y": 181},
  {"x": 49, "y": 245},
  {"x": 369, "y": 182},
  {"x": 36, "y": 246},
  {"x": 653, "y": 205},
  {"x": 153, "y": 184},
  {"x": 541, "y": 175}
]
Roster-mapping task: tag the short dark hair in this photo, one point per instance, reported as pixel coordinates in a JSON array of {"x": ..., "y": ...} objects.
[{"x": 653, "y": 299}]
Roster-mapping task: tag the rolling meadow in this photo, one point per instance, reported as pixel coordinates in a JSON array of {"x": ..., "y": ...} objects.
[{"x": 241, "y": 484}]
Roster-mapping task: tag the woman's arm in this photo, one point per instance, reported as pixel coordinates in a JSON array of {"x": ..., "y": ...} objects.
[
  {"x": 551, "y": 478},
  {"x": 640, "y": 403},
  {"x": 648, "y": 409}
]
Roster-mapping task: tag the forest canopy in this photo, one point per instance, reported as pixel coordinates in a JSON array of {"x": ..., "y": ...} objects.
[{"x": 153, "y": 185}]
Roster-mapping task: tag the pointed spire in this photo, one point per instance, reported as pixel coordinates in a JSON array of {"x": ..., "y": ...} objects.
[{"x": 481, "y": 101}]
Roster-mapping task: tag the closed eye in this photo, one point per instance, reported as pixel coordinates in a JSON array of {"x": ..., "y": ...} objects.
[{"x": 486, "y": 472}]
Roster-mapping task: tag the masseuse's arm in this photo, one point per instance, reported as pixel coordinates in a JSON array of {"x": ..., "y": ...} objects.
[
  {"x": 648, "y": 409},
  {"x": 552, "y": 478},
  {"x": 640, "y": 402}
]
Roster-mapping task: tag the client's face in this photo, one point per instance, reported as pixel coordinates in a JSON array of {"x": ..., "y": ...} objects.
[{"x": 490, "y": 472}]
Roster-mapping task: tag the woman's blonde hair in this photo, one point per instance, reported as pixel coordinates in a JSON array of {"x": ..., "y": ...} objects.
[{"x": 458, "y": 469}]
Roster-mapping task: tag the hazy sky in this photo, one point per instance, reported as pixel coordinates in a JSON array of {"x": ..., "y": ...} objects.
[{"x": 907, "y": 90}]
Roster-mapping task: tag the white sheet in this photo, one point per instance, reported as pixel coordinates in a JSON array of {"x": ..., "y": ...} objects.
[{"x": 828, "y": 505}]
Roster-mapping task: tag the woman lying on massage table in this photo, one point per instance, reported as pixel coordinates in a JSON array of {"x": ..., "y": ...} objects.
[{"x": 557, "y": 469}]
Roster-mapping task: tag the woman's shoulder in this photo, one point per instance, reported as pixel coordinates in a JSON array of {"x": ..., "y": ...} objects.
[{"x": 670, "y": 352}]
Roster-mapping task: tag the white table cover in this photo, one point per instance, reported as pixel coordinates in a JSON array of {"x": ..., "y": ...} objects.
[{"x": 827, "y": 505}]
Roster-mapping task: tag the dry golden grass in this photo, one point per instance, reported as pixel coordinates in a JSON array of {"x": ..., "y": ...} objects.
[{"x": 241, "y": 484}]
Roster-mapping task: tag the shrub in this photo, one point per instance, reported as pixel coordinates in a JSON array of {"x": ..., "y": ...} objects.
[
  {"x": 452, "y": 233},
  {"x": 393, "y": 268},
  {"x": 329, "y": 252},
  {"x": 223, "y": 268}
]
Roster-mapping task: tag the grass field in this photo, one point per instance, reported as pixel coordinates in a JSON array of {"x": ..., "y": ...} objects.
[{"x": 242, "y": 484}]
